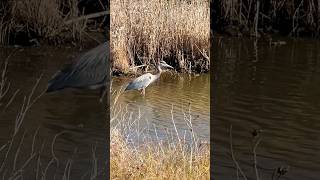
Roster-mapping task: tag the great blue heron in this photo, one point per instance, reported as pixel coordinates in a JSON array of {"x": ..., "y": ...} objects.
[
  {"x": 143, "y": 81},
  {"x": 89, "y": 71}
]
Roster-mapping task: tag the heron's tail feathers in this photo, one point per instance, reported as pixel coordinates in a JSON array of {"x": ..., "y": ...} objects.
[{"x": 129, "y": 86}]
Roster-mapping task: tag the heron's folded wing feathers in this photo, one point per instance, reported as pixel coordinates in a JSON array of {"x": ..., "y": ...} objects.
[{"x": 140, "y": 82}]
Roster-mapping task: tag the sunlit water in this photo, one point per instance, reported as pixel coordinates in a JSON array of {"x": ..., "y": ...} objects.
[
  {"x": 76, "y": 114},
  {"x": 80, "y": 119},
  {"x": 171, "y": 101},
  {"x": 274, "y": 88}
]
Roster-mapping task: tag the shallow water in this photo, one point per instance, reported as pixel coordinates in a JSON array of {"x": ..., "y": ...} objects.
[
  {"x": 79, "y": 116},
  {"x": 274, "y": 88},
  {"x": 76, "y": 114},
  {"x": 171, "y": 98}
]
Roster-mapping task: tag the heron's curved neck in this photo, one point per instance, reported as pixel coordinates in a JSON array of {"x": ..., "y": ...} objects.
[
  {"x": 159, "y": 69},
  {"x": 158, "y": 73}
]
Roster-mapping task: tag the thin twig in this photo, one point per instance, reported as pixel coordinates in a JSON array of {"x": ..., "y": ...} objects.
[
  {"x": 233, "y": 158},
  {"x": 255, "y": 158}
]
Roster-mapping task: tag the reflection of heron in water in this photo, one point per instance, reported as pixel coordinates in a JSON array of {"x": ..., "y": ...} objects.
[
  {"x": 143, "y": 81},
  {"x": 89, "y": 71}
]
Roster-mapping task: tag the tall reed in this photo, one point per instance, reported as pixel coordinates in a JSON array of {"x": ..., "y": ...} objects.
[
  {"x": 43, "y": 19},
  {"x": 288, "y": 17},
  {"x": 144, "y": 31}
]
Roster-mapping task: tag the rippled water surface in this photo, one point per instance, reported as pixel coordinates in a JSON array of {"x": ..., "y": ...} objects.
[
  {"x": 169, "y": 98},
  {"x": 78, "y": 120},
  {"x": 274, "y": 88},
  {"x": 74, "y": 114}
]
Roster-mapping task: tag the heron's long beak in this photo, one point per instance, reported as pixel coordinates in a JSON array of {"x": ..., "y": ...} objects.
[{"x": 168, "y": 66}]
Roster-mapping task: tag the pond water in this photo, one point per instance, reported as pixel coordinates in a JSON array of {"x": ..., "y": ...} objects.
[
  {"x": 170, "y": 98},
  {"x": 79, "y": 118},
  {"x": 77, "y": 114},
  {"x": 273, "y": 88}
]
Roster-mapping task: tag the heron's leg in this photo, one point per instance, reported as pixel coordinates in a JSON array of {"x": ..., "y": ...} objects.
[
  {"x": 143, "y": 91},
  {"x": 103, "y": 91}
]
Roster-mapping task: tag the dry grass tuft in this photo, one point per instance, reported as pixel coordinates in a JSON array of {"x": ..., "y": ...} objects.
[
  {"x": 136, "y": 154},
  {"x": 154, "y": 162},
  {"x": 43, "y": 19},
  {"x": 144, "y": 31}
]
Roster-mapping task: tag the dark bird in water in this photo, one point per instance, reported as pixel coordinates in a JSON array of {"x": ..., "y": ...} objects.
[
  {"x": 143, "y": 81},
  {"x": 90, "y": 70}
]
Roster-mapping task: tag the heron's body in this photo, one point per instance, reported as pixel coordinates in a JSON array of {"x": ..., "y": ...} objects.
[
  {"x": 89, "y": 71},
  {"x": 143, "y": 81}
]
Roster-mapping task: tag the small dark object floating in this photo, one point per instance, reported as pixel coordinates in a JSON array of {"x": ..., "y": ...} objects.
[{"x": 256, "y": 132}]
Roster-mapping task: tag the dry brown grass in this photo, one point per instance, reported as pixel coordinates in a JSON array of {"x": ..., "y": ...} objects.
[
  {"x": 155, "y": 162},
  {"x": 144, "y": 31},
  {"x": 43, "y": 19},
  {"x": 136, "y": 154}
]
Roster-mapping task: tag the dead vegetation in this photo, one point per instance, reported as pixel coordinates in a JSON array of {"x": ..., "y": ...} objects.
[
  {"x": 277, "y": 173},
  {"x": 142, "y": 32},
  {"x": 46, "y": 20},
  {"x": 287, "y": 17},
  {"x": 36, "y": 158},
  {"x": 136, "y": 154}
]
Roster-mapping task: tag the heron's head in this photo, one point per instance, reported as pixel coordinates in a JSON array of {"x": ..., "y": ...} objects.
[{"x": 164, "y": 64}]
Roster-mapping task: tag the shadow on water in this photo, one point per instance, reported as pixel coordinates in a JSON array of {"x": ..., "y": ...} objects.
[
  {"x": 76, "y": 114},
  {"x": 274, "y": 88}
]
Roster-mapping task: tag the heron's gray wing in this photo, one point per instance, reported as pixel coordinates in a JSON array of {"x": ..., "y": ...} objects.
[
  {"x": 88, "y": 71},
  {"x": 140, "y": 82}
]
